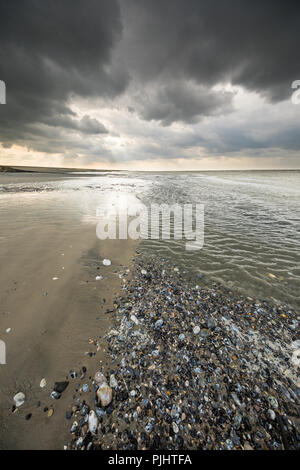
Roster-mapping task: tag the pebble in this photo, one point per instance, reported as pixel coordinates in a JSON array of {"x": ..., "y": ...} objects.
[
  {"x": 175, "y": 428},
  {"x": 99, "y": 378},
  {"x": 271, "y": 415},
  {"x": 134, "y": 319},
  {"x": 104, "y": 394},
  {"x": 106, "y": 262},
  {"x": 60, "y": 387},
  {"x": 179, "y": 387},
  {"x": 43, "y": 383},
  {"x": 296, "y": 358},
  {"x": 273, "y": 402},
  {"x": 19, "y": 399}
]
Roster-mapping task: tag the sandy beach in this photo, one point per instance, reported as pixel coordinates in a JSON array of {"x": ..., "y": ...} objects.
[
  {"x": 50, "y": 323},
  {"x": 190, "y": 354}
]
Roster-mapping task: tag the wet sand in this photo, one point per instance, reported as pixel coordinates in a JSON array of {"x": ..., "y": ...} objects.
[{"x": 51, "y": 322}]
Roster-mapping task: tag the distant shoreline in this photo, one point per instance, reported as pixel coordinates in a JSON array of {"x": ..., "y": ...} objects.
[
  {"x": 40, "y": 169},
  {"x": 58, "y": 170}
]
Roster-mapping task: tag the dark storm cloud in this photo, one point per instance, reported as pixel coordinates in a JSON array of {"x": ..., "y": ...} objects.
[
  {"x": 164, "y": 57},
  {"x": 49, "y": 51},
  {"x": 182, "y": 101},
  {"x": 86, "y": 125},
  {"x": 253, "y": 44}
]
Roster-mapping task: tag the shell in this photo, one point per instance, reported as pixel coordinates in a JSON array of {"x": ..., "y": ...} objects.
[
  {"x": 100, "y": 378},
  {"x": 19, "y": 399},
  {"x": 43, "y": 383},
  {"x": 93, "y": 422},
  {"x": 104, "y": 394}
]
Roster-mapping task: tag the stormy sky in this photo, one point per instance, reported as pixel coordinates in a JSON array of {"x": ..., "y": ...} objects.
[{"x": 147, "y": 84}]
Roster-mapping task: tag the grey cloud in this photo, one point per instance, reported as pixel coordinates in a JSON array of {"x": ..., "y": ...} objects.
[
  {"x": 162, "y": 58},
  {"x": 85, "y": 125},
  {"x": 51, "y": 51},
  {"x": 181, "y": 101},
  {"x": 253, "y": 44}
]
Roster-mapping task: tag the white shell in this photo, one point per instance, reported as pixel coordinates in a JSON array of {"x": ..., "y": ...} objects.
[
  {"x": 43, "y": 383},
  {"x": 93, "y": 422},
  {"x": 19, "y": 399},
  {"x": 296, "y": 358}
]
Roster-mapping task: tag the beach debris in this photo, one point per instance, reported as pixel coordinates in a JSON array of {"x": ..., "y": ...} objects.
[
  {"x": 74, "y": 427},
  {"x": 159, "y": 323},
  {"x": 134, "y": 319},
  {"x": 192, "y": 372},
  {"x": 8, "y": 330},
  {"x": 273, "y": 402},
  {"x": 113, "y": 381},
  {"x": 296, "y": 358},
  {"x": 50, "y": 412},
  {"x": 43, "y": 383},
  {"x": 55, "y": 395},
  {"x": 93, "y": 422},
  {"x": 272, "y": 276},
  {"x": 100, "y": 378},
  {"x": 104, "y": 394},
  {"x": 54, "y": 278},
  {"x": 99, "y": 278},
  {"x": 28, "y": 416},
  {"x": 175, "y": 428},
  {"x": 19, "y": 399},
  {"x": 85, "y": 388},
  {"x": 106, "y": 262},
  {"x": 271, "y": 415}
]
